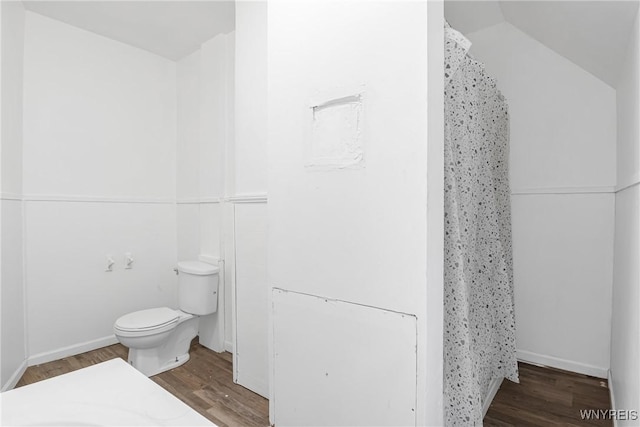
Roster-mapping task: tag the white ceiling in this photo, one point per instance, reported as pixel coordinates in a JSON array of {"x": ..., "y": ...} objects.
[
  {"x": 172, "y": 29},
  {"x": 591, "y": 34}
]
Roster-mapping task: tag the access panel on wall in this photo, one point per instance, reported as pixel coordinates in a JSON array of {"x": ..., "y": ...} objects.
[{"x": 339, "y": 363}]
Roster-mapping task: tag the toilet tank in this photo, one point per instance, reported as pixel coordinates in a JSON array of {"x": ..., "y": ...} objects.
[{"x": 197, "y": 287}]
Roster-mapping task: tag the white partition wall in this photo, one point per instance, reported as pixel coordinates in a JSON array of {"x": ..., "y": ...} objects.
[
  {"x": 246, "y": 219},
  {"x": 13, "y": 337},
  {"x": 251, "y": 297},
  {"x": 348, "y": 203},
  {"x": 624, "y": 379}
]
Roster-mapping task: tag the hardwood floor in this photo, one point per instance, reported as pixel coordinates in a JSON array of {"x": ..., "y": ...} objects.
[
  {"x": 205, "y": 383},
  {"x": 548, "y": 397},
  {"x": 544, "y": 397}
]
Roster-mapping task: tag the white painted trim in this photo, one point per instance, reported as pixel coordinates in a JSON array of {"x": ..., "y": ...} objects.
[
  {"x": 15, "y": 377},
  {"x": 566, "y": 365},
  {"x": 635, "y": 180},
  {"x": 228, "y": 346},
  {"x": 563, "y": 190},
  {"x": 10, "y": 196},
  {"x": 210, "y": 200},
  {"x": 612, "y": 396},
  {"x": 188, "y": 201},
  {"x": 71, "y": 350},
  {"x": 248, "y": 198},
  {"x": 494, "y": 386},
  {"x": 95, "y": 199},
  {"x": 431, "y": 410},
  {"x": 25, "y": 284},
  {"x": 198, "y": 200},
  {"x": 234, "y": 309},
  {"x": 240, "y": 198}
]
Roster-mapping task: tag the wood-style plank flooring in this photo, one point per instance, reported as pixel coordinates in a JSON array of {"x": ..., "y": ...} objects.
[
  {"x": 205, "y": 383},
  {"x": 548, "y": 397},
  {"x": 544, "y": 397}
]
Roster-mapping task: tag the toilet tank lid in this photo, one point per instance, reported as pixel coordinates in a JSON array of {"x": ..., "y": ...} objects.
[{"x": 197, "y": 267}]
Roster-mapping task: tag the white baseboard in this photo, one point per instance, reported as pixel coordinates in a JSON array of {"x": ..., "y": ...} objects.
[
  {"x": 15, "y": 377},
  {"x": 494, "y": 386},
  {"x": 612, "y": 396},
  {"x": 71, "y": 350},
  {"x": 563, "y": 190},
  {"x": 228, "y": 346},
  {"x": 566, "y": 365}
]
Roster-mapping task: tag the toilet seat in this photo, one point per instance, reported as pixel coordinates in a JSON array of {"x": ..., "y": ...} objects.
[{"x": 147, "y": 322}]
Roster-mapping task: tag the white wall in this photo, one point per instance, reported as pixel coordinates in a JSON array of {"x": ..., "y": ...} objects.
[
  {"x": 246, "y": 219},
  {"x": 562, "y": 254},
  {"x": 356, "y": 234},
  {"x": 628, "y": 91},
  {"x": 251, "y": 297},
  {"x": 213, "y": 133},
  {"x": 72, "y": 301},
  {"x": 99, "y": 178},
  {"x": 13, "y": 321},
  {"x": 188, "y": 127},
  {"x": 227, "y": 226},
  {"x": 204, "y": 136},
  {"x": 563, "y": 119},
  {"x": 108, "y": 107},
  {"x": 563, "y": 173},
  {"x": 625, "y": 322},
  {"x": 13, "y": 351},
  {"x": 12, "y": 79},
  {"x": 251, "y": 96},
  {"x": 187, "y": 153}
]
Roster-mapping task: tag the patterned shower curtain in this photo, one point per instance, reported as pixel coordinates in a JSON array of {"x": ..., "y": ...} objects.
[{"x": 479, "y": 323}]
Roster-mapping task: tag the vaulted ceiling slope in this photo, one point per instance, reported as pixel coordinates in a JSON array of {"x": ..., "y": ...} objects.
[
  {"x": 172, "y": 29},
  {"x": 591, "y": 34}
]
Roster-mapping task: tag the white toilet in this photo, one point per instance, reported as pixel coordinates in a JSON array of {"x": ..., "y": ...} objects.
[{"x": 159, "y": 338}]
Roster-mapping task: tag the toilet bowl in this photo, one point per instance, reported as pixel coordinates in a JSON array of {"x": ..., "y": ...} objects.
[{"x": 159, "y": 338}]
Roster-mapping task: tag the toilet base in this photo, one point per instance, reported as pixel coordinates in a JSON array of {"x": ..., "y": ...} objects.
[
  {"x": 151, "y": 369},
  {"x": 170, "y": 354}
]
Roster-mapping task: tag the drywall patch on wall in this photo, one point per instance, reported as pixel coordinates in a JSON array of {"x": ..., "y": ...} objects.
[{"x": 336, "y": 129}]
